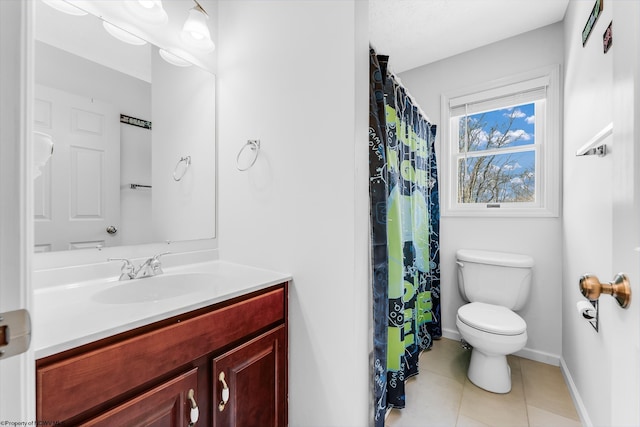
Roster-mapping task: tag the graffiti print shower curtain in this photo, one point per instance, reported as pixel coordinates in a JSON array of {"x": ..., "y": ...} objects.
[{"x": 405, "y": 219}]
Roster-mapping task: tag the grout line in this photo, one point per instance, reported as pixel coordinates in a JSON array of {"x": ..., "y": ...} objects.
[{"x": 524, "y": 393}]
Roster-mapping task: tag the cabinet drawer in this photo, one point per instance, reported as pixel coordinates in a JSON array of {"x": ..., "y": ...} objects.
[{"x": 71, "y": 386}]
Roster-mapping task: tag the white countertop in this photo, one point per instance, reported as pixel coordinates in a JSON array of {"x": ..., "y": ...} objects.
[{"x": 69, "y": 316}]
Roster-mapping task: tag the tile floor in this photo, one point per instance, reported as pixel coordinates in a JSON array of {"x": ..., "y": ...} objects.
[{"x": 443, "y": 396}]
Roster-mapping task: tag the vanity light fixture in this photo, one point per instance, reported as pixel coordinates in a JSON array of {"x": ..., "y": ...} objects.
[
  {"x": 150, "y": 11},
  {"x": 122, "y": 35},
  {"x": 173, "y": 59},
  {"x": 65, "y": 7},
  {"x": 195, "y": 31}
]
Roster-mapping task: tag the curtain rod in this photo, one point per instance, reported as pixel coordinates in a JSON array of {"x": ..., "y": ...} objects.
[{"x": 395, "y": 76}]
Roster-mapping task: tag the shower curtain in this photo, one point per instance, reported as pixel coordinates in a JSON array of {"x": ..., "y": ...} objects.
[{"x": 405, "y": 217}]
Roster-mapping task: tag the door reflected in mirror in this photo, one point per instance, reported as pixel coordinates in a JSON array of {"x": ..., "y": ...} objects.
[{"x": 122, "y": 118}]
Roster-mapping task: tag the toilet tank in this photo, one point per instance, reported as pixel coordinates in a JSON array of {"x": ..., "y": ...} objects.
[{"x": 494, "y": 277}]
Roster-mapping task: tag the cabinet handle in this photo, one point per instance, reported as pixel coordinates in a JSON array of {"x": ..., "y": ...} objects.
[
  {"x": 225, "y": 392},
  {"x": 194, "y": 414}
]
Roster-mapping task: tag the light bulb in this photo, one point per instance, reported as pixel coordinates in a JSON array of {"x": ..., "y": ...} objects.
[
  {"x": 147, "y": 4},
  {"x": 195, "y": 31},
  {"x": 150, "y": 11}
]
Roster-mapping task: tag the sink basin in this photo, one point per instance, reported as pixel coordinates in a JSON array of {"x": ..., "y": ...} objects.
[{"x": 156, "y": 288}]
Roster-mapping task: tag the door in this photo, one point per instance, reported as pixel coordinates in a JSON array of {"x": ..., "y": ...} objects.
[
  {"x": 77, "y": 197},
  {"x": 167, "y": 405},
  {"x": 624, "y": 328},
  {"x": 17, "y": 373},
  {"x": 249, "y": 383}
]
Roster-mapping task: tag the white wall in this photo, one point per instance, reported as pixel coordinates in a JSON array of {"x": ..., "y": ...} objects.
[
  {"x": 602, "y": 367},
  {"x": 184, "y": 119},
  {"x": 539, "y": 237},
  {"x": 287, "y": 76}
]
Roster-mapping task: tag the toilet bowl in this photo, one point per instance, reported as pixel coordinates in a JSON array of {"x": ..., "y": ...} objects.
[
  {"x": 495, "y": 284},
  {"x": 493, "y": 332}
]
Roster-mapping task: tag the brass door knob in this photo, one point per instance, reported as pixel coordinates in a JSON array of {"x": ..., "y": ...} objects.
[{"x": 619, "y": 288}]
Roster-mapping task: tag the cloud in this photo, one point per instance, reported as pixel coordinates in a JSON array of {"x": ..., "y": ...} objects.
[
  {"x": 516, "y": 180},
  {"x": 516, "y": 114},
  {"x": 530, "y": 120},
  {"x": 511, "y": 167},
  {"x": 518, "y": 134}
]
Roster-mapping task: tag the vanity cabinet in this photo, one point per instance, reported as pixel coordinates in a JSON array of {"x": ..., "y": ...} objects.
[{"x": 143, "y": 377}]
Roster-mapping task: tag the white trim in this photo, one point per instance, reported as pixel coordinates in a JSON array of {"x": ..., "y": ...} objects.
[
  {"x": 547, "y": 180},
  {"x": 27, "y": 79},
  {"x": 17, "y": 388},
  {"x": 539, "y": 356},
  {"x": 504, "y": 88},
  {"x": 525, "y": 353},
  {"x": 575, "y": 395}
]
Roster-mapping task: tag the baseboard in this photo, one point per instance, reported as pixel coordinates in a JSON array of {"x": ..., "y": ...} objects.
[
  {"x": 539, "y": 356},
  {"x": 526, "y": 353},
  {"x": 577, "y": 400},
  {"x": 451, "y": 334}
]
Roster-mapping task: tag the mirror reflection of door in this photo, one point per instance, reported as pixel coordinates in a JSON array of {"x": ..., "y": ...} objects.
[{"x": 77, "y": 197}]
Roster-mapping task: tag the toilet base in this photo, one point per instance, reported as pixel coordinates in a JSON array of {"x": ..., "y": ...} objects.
[{"x": 490, "y": 372}]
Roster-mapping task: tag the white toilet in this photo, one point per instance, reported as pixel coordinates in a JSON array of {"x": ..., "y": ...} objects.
[{"x": 494, "y": 284}]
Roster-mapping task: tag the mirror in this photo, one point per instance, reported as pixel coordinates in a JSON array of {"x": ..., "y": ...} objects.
[{"x": 134, "y": 137}]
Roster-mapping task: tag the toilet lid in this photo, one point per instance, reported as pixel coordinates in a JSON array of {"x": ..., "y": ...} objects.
[{"x": 492, "y": 318}]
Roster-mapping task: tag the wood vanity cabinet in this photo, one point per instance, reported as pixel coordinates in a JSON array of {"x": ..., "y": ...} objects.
[{"x": 143, "y": 377}]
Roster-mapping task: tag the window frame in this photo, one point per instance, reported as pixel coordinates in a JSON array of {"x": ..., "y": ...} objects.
[{"x": 547, "y": 145}]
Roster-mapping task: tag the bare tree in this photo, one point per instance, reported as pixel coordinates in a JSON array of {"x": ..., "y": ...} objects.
[{"x": 492, "y": 178}]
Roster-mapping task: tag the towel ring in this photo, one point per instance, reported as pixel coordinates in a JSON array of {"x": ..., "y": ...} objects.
[
  {"x": 187, "y": 162},
  {"x": 254, "y": 144}
]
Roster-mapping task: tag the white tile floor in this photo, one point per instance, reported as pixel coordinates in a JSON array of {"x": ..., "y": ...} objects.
[{"x": 443, "y": 396}]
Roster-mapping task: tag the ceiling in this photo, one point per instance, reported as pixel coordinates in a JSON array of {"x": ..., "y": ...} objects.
[{"x": 418, "y": 32}]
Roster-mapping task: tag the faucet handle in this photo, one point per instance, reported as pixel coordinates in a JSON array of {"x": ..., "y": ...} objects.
[
  {"x": 155, "y": 264},
  {"x": 157, "y": 257},
  {"x": 127, "y": 268},
  {"x": 126, "y": 263}
]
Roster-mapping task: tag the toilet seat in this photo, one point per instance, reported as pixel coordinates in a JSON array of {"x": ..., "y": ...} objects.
[{"x": 491, "y": 318}]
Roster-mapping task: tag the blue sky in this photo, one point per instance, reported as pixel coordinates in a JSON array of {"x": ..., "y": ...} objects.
[
  {"x": 521, "y": 133},
  {"x": 523, "y": 125}
]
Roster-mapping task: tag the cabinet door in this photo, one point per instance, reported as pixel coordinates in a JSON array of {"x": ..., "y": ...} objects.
[
  {"x": 255, "y": 376},
  {"x": 163, "y": 406}
]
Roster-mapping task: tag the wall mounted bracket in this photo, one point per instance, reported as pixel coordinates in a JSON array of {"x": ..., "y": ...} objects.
[{"x": 596, "y": 146}]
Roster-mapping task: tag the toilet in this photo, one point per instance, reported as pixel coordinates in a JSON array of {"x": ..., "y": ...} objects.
[{"x": 495, "y": 284}]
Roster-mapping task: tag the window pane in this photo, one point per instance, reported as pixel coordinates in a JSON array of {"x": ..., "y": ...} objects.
[
  {"x": 500, "y": 178},
  {"x": 490, "y": 130}
]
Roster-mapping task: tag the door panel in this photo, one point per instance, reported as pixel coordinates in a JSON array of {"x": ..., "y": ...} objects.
[
  {"x": 162, "y": 406},
  {"x": 254, "y": 374},
  {"x": 78, "y": 194},
  {"x": 623, "y": 328}
]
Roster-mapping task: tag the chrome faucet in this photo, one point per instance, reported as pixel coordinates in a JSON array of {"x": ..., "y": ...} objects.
[
  {"x": 127, "y": 269},
  {"x": 150, "y": 267}
]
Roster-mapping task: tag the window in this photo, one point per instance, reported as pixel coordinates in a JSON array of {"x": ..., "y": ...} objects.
[{"x": 501, "y": 148}]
